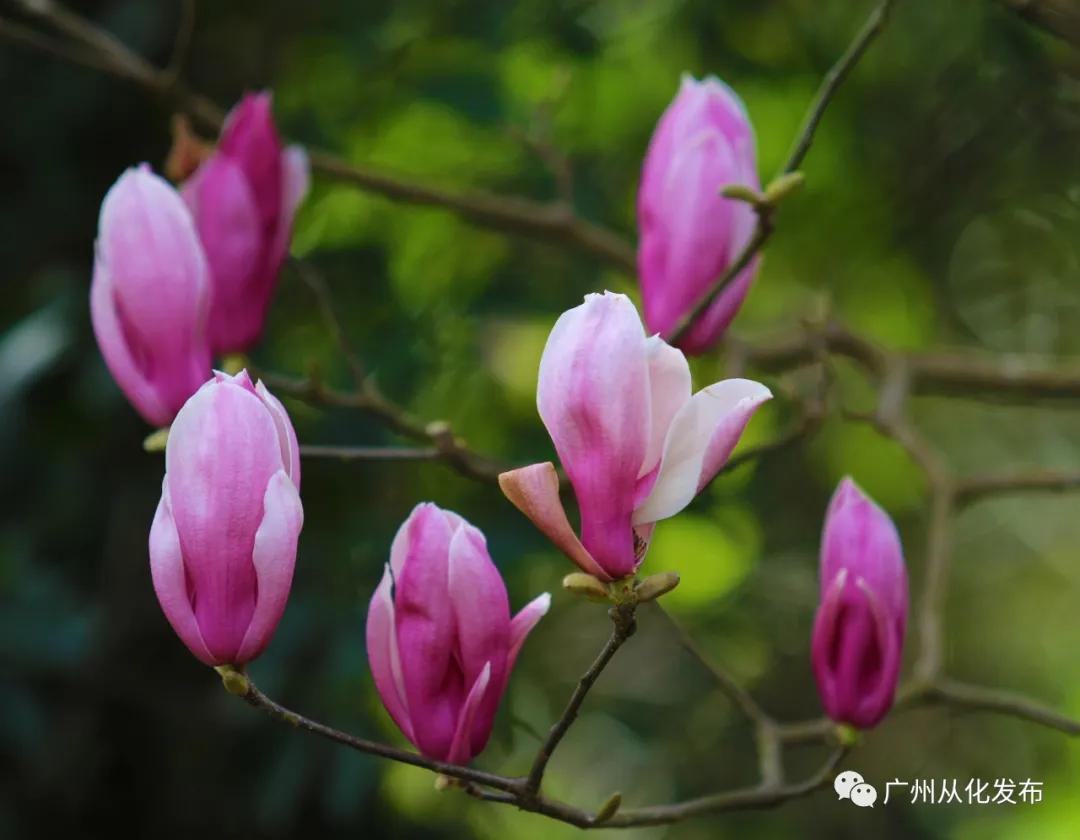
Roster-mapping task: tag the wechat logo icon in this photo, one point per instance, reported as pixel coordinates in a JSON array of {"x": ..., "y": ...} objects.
[{"x": 851, "y": 785}]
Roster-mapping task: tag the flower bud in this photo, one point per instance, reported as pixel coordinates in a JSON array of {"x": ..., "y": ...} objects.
[
  {"x": 655, "y": 585},
  {"x": 858, "y": 633},
  {"x": 635, "y": 444},
  {"x": 149, "y": 296},
  {"x": 690, "y": 233},
  {"x": 223, "y": 542},
  {"x": 440, "y": 639},
  {"x": 244, "y": 197}
]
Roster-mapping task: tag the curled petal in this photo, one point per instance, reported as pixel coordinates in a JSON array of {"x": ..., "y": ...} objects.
[
  {"x": 117, "y": 353},
  {"x": 290, "y": 447},
  {"x": 523, "y": 623},
  {"x": 169, "y": 577},
  {"x": 384, "y": 657},
  {"x": 534, "y": 490},
  {"x": 700, "y": 439},
  {"x": 482, "y": 616},
  {"x": 274, "y": 558},
  {"x": 426, "y": 633},
  {"x": 468, "y": 738}
]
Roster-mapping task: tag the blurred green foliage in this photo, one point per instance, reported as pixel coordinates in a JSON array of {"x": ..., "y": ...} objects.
[{"x": 940, "y": 209}]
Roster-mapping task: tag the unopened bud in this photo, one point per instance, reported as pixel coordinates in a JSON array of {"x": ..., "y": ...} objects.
[
  {"x": 581, "y": 583},
  {"x": 656, "y": 585},
  {"x": 781, "y": 187},
  {"x": 741, "y": 192},
  {"x": 156, "y": 440},
  {"x": 609, "y": 808},
  {"x": 235, "y": 682}
]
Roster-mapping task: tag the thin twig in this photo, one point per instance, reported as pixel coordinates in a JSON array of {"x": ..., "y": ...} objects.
[
  {"x": 260, "y": 701},
  {"x": 803, "y": 140},
  {"x": 370, "y": 453},
  {"x": 970, "y": 489},
  {"x": 623, "y": 629},
  {"x": 315, "y": 281}
]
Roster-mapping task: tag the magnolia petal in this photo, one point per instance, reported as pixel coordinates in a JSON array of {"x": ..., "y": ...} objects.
[
  {"x": 670, "y": 389},
  {"x": 700, "y": 439},
  {"x": 468, "y": 741},
  {"x": 274, "y": 558},
  {"x": 424, "y": 618},
  {"x": 534, "y": 490},
  {"x": 169, "y": 578},
  {"x": 523, "y": 623},
  {"x": 384, "y": 658},
  {"x": 290, "y": 447},
  {"x": 482, "y": 616},
  {"x": 118, "y": 357}
]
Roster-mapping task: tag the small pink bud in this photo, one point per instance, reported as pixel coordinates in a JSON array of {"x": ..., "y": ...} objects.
[
  {"x": 440, "y": 639},
  {"x": 149, "y": 295},
  {"x": 636, "y": 445},
  {"x": 858, "y": 634},
  {"x": 223, "y": 542},
  {"x": 689, "y": 233},
  {"x": 244, "y": 197}
]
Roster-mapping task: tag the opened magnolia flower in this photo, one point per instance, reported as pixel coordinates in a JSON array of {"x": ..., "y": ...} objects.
[{"x": 636, "y": 445}]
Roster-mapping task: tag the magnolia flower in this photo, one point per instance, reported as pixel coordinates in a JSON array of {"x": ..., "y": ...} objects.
[
  {"x": 440, "y": 638},
  {"x": 223, "y": 542},
  {"x": 689, "y": 233},
  {"x": 149, "y": 296},
  {"x": 244, "y": 197},
  {"x": 635, "y": 444},
  {"x": 858, "y": 634}
]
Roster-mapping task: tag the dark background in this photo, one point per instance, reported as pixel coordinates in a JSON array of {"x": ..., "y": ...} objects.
[{"x": 940, "y": 210}]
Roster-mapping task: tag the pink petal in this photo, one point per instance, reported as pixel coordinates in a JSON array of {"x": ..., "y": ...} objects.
[
  {"x": 274, "y": 558},
  {"x": 229, "y": 226},
  {"x": 384, "y": 657},
  {"x": 861, "y": 537},
  {"x": 114, "y": 347},
  {"x": 156, "y": 288},
  {"x": 296, "y": 175},
  {"x": 523, "y": 623},
  {"x": 251, "y": 139},
  {"x": 593, "y": 397},
  {"x": 482, "y": 614},
  {"x": 290, "y": 447},
  {"x": 170, "y": 586},
  {"x": 426, "y": 628},
  {"x": 463, "y": 746},
  {"x": 534, "y": 490},
  {"x": 699, "y": 442},
  {"x": 670, "y": 389}
]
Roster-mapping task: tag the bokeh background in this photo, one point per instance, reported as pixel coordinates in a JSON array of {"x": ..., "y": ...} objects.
[{"x": 941, "y": 209}]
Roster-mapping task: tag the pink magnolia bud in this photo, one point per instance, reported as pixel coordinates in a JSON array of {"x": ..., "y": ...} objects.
[
  {"x": 244, "y": 197},
  {"x": 149, "y": 295},
  {"x": 689, "y": 233},
  {"x": 859, "y": 628},
  {"x": 440, "y": 638},
  {"x": 223, "y": 542},
  {"x": 635, "y": 444}
]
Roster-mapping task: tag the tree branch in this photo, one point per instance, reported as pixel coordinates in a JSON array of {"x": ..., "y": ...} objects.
[
  {"x": 624, "y": 625},
  {"x": 552, "y": 221},
  {"x": 803, "y": 140}
]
